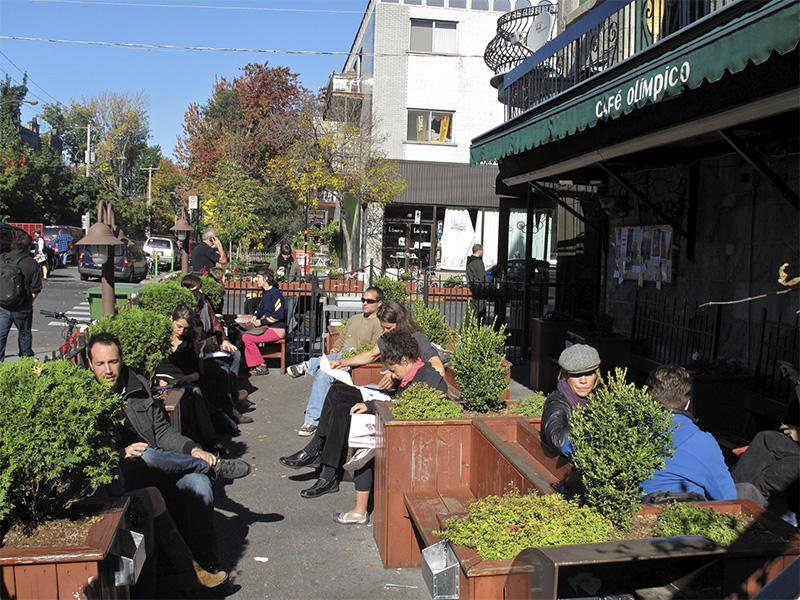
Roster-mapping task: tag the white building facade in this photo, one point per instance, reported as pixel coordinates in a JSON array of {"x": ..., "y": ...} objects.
[{"x": 417, "y": 69}]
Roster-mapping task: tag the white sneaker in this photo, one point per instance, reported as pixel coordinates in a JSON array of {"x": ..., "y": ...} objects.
[
  {"x": 298, "y": 370},
  {"x": 307, "y": 429},
  {"x": 359, "y": 459}
]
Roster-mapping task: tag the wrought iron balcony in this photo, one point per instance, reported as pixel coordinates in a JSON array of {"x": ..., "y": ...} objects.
[
  {"x": 609, "y": 34},
  {"x": 506, "y": 51}
]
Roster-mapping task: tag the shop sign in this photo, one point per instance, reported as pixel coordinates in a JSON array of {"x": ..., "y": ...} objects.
[{"x": 650, "y": 87}]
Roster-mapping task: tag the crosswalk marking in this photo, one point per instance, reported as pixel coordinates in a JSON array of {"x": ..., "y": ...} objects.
[{"x": 80, "y": 312}]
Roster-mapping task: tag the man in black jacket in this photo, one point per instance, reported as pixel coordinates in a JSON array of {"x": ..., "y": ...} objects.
[
  {"x": 155, "y": 454},
  {"x": 476, "y": 278},
  {"x": 21, "y": 313}
]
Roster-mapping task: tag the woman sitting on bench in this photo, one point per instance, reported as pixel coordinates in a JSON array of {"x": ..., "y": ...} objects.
[
  {"x": 271, "y": 315},
  {"x": 328, "y": 447},
  {"x": 578, "y": 378}
]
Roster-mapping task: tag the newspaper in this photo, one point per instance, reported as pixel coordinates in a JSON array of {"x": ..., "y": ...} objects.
[{"x": 367, "y": 392}]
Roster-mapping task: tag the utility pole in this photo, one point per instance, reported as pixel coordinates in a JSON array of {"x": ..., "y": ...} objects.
[
  {"x": 149, "y": 196},
  {"x": 88, "y": 147}
]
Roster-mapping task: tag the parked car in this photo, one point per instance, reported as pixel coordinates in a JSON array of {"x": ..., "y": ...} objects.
[
  {"x": 49, "y": 232},
  {"x": 7, "y": 235},
  {"x": 166, "y": 249},
  {"x": 515, "y": 270},
  {"x": 130, "y": 264}
]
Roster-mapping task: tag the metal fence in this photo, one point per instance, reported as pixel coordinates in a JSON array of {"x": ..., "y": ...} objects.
[{"x": 779, "y": 340}]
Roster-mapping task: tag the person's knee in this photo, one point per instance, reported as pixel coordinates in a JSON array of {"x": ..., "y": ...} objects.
[{"x": 197, "y": 485}]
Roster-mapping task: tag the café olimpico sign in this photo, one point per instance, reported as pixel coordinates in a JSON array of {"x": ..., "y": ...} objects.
[{"x": 651, "y": 87}]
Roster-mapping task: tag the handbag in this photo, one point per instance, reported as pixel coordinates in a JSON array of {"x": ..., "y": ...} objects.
[{"x": 362, "y": 431}]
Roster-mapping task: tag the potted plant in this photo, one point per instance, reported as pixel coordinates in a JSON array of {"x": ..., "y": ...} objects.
[
  {"x": 479, "y": 368},
  {"x": 162, "y": 297},
  {"x": 420, "y": 401},
  {"x": 392, "y": 289},
  {"x": 143, "y": 334},
  {"x": 57, "y": 427}
]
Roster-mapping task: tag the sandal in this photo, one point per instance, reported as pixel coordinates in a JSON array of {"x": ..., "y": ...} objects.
[{"x": 350, "y": 518}]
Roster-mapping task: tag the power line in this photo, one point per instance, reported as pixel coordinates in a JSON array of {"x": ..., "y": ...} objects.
[
  {"x": 170, "y": 48},
  {"x": 258, "y": 8},
  {"x": 29, "y": 79}
]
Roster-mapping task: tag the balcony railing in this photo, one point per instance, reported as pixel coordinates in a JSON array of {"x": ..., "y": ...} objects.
[
  {"x": 505, "y": 52},
  {"x": 609, "y": 34},
  {"x": 343, "y": 96}
]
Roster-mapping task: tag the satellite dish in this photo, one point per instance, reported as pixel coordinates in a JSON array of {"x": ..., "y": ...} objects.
[{"x": 539, "y": 31}]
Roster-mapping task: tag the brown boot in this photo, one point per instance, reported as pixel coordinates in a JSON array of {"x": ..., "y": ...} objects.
[
  {"x": 172, "y": 547},
  {"x": 207, "y": 579},
  {"x": 240, "y": 418}
]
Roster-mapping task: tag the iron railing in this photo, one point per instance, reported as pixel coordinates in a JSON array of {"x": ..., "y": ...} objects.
[
  {"x": 609, "y": 34},
  {"x": 779, "y": 340},
  {"x": 507, "y": 49}
]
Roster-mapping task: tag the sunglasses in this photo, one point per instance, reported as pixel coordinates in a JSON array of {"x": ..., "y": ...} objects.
[{"x": 369, "y": 300}]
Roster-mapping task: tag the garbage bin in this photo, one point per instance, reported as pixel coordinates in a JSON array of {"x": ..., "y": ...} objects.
[{"x": 122, "y": 293}]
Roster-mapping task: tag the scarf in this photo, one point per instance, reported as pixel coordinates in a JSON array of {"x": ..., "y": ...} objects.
[{"x": 572, "y": 398}]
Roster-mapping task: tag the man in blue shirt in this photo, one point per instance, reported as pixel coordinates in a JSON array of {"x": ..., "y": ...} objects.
[
  {"x": 62, "y": 244},
  {"x": 697, "y": 465}
]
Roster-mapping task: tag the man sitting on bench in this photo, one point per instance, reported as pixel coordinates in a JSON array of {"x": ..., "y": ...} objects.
[{"x": 697, "y": 465}]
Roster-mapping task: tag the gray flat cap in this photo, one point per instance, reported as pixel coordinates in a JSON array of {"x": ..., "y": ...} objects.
[{"x": 579, "y": 358}]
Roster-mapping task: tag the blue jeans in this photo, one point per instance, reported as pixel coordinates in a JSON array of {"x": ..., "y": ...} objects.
[
  {"x": 322, "y": 383},
  {"x": 184, "y": 482},
  {"x": 23, "y": 319}
]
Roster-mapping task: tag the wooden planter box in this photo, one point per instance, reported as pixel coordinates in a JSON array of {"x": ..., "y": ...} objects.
[
  {"x": 445, "y": 293},
  {"x": 744, "y": 570},
  {"x": 431, "y": 455},
  {"x": 450, "y": 379},
  {"x": 343, "y": 286},
  {"x": 67, "y": 572}
]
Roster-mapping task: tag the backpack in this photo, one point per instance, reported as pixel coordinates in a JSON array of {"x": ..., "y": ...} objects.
[{"x": 12, "y": 283}]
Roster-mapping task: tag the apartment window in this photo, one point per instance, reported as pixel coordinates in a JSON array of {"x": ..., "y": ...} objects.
[
  {"x": 434, "y": 2},
  {"x": 390, "y": 1},
  {"x": 433, "y": 36},
  {"x": 417, "y": 2},
  {"x": 434, "y": 126},
  {"x": 480, "y": 4},
  {"x": 522, "y": 4},
  {"x": 458, "y": 3},
  {"x": 502, "y": 6}
]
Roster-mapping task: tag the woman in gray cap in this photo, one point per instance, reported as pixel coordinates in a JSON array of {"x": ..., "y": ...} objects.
[{"x": 578, "y": 378}]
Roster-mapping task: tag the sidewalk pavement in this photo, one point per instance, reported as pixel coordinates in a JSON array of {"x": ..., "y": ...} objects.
[{"x": 281, "y": 546}]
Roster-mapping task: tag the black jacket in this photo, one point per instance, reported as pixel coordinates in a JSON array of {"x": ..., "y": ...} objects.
[
  {"x": 476, "y": 272},
  {"x": 145, "y": 421},
  {"x": 555, "y": 420},
  {"x": 31, "y": 273}
]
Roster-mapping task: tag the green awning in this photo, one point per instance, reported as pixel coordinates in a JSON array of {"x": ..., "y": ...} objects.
[{"x": 729, "y": 48}]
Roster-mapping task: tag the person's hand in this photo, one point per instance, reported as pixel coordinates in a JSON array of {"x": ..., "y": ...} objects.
[
  {"x": 336, "y": 363},
  {"x": 228, "y": 347},
  {"x": 198, "y": 452},
  {"x": 789, "y": 371},
  {"x": 135, "y": 450},
  {"x": 358, "y": 408},
  {"x": 387, "y": 380},
  {"x": 792, "y": 431}
]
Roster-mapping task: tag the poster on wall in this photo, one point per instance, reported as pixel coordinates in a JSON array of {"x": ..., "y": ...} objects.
[{"x": 644, "y": 254}]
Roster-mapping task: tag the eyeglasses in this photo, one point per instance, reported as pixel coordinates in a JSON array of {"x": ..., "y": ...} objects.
[{"x": 369, "y": 300}]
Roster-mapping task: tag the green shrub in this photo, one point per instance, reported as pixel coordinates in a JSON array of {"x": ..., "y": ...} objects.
[
  {"x": 211, "y": 288},
  {"x": 432, "y": 323},
  {"x": 454, "y": 281},
  {"x": 478, "y": 365},
  {"x": 358, "y": 350},
  {"x": 392, "y": 289},
  {"x": 621, "y": 437},
  {"x": 530, "y": 406},
  {"x": 680, "y": 518},
  {"x": 162, "y": 297},
  {"x": 498, "y": 527},
  {"x": 421, "y": 401},
  {"x": 57, "y": 426},
  {"x": 144, "y": 336}
]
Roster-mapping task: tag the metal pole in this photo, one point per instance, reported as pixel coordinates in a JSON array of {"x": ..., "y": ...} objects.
[{"x": 107, "y": 283}]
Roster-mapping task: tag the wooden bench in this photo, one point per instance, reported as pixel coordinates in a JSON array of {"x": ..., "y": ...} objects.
[
  {"x": 170, "y": 401},
  {"x": 276, "y": 349},
  {"x": 424, "y": 508}
]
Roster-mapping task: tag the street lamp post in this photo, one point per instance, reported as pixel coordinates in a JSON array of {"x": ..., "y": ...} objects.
[
  {"x": 183, "y": 229},
  {"x": 102, "y": 240}
]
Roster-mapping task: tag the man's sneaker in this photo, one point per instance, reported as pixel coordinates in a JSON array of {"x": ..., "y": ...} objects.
[
  {"x": 360, "y": 458},
  {"x": 307, "y": 429},
  {"x": 231, "y": 469},
  {"x": 259, "y": 370},
  {"x": 299, "y": 369}
]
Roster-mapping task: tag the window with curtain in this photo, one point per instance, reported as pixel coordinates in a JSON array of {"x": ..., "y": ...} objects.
[
  {"x": 434, "y": 126},
  {"x": 438, "y": 37}
]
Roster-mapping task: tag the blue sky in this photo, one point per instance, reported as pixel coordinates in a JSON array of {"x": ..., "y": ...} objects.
[{"x": 173, "y": 79}]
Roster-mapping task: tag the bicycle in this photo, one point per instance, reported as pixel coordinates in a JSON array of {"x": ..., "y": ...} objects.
[{"x": 72, "y": 326}]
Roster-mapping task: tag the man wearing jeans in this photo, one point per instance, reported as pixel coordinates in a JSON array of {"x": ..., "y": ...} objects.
[
  {"x": 360, "y": 330},
  {"x": 155, "y": 454},
  {"x": 21, "y": 313}
]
